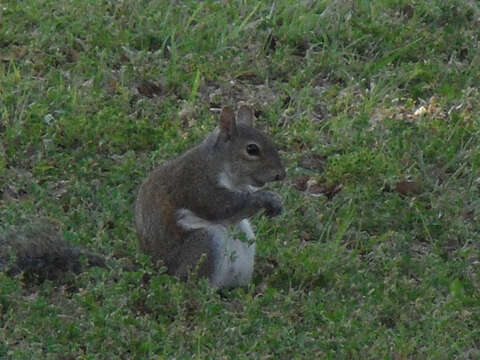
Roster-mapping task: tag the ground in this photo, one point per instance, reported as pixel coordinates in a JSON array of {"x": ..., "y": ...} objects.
[{"x": 376, "y": 110}]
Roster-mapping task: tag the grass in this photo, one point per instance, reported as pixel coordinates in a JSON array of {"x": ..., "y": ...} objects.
[{"x": 375, "y": 107}]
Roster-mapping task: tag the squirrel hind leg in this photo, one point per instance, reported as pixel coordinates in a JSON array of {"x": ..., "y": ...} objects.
[{"x": 196, "y": 253}]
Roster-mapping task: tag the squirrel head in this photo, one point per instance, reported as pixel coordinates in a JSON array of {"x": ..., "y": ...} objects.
[{"x": 250, "y": 157}]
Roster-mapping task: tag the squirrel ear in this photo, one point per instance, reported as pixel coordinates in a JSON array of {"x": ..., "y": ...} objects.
[
  {"x": 245, "y": 115},
  {"x": 227, "y": 122}
]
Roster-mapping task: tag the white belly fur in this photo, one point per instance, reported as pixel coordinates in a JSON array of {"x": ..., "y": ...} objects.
[{"x": 234, "y": 258}]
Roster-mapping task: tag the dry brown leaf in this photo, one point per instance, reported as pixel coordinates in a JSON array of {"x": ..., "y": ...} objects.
[
  {"x": 149, "y": 89},
  {"x": 312, "y": 187},
  {"x": 301, "y": 182},
  {"x": 408, "y": 188}
]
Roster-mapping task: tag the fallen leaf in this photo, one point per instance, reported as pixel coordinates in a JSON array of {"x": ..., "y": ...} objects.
[
  {"x": 313, "y": 187},
  {"x": 327, "y": 190},
  {"x": 19, "y": 51},
  {"x": 301, "y": 182},
  {"x": 408, "y": 187},
  {"x": 420, "y": 111},
  {"x": 149, "y": 89}
]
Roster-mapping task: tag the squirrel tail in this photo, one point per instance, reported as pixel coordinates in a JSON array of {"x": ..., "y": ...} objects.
[{"x": 42, "y": 252}]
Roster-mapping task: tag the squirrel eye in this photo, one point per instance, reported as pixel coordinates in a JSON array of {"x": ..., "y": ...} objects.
[{"x": 253, "y": 150}]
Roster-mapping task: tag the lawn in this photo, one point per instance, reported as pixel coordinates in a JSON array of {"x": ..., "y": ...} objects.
[{"x": 375, "y": 106}]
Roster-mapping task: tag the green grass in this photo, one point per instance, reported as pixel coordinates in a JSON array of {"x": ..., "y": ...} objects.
[{"x": 94, "y": 93}]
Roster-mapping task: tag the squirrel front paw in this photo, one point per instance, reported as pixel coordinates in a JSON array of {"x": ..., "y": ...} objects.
[{"x": 272, "y": 203}]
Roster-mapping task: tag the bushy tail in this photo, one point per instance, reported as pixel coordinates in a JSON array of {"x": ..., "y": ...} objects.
[{"x": 39, "y": 250}]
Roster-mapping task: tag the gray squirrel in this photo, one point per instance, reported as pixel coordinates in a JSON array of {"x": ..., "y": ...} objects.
[
  {"x": 187, "y": 206},
  {"x": 184, "y": 211}
]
